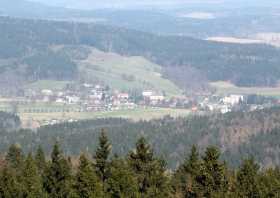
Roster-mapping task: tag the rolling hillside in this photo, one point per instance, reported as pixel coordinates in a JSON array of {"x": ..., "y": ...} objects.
[
  {"x": 29, "y": 52},
  {"x": 116, "y": 71},
  {"x": 126, "y": 73}
]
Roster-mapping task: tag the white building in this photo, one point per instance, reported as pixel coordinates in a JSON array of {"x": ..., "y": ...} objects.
[
  {"x": 72, "y": 99},
  {"x": 60, "y": 100},
  {"x": 96, "y": 96},
  {"x": 98, "y": 87},
  {"x": 225, "y": 109},
  {"x": 147, "y": 93},
  {"x": 123, "y": 96},
  {"x": 87, "y": 85},
  {"x": 157, "y": 97},
  {"x": 60, "y": 94},
  {"x": 47, "y": 92},
  {"x": 233, "y": 99}
]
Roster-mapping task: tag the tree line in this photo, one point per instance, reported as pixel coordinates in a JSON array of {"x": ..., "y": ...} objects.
[
  {"x": 140, "y": 174},
  {"x": 9, "y": 121},
  {"x": 238, "y": 134}
]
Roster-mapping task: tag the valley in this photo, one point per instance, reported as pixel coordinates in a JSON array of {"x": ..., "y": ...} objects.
[{"x": 139, "y": 99}]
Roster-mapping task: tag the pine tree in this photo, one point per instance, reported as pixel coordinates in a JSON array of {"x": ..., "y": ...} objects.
[
  {"x": 40, "y": 160},
  {"x": 10, "y": 187},
  {"x": 212, "y": 177},
  {"x": 184, "y": 177},
  {"x": 193, "y": 162},
  {"x": 87, "y": 182},
  {"x": 101, "y": 156},
  {"x": 15, "y": 156},
  {"x": 269, "y": 182},
  {"x": 122, "y": 182},
  {"x": 32, "y": 181},
  {"x": 150, "y": 171},
  {"x": 247, "y": 179},
  {"x": 58, "y": 182}
]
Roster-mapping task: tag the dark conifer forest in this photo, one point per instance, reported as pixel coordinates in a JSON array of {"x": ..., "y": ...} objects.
[
  {"x": 238, "y": 135},
  {"x": 140, "y": 174}
]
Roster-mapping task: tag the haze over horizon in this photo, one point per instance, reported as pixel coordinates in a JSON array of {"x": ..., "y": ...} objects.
[{"x": 93, "y": 4}]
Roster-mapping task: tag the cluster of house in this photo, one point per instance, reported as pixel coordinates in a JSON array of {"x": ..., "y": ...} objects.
[
  {"x": 221, "y": 104},
  {"x": 96, "y": 97},
  {"x": 88, "y": 97},
  {"x": 56, "y": 121},
  {"x": 152, "y": 97}
]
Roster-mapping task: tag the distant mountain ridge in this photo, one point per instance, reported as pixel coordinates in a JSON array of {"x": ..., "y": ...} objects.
[
  {"x": 36, "y": 10},
  {"x": 246, "y": 65}
]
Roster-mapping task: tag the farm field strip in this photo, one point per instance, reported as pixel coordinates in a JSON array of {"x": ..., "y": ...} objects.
[
  {"x": 133, "y": 114},
  {"x": 228, "y": 88}
]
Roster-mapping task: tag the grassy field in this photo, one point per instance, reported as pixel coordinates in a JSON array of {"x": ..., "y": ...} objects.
[
  {"x": 38, "y": 113},
  {"x": 125, "y": 73},
  {"x": 135, "y": 115},
  {"x": 47, "y": 84},
  {"x": 37, "y": 107},
  {"x": 119, "y": 72},
  {"x": 228, "y": 88},
  {"x": 234, "y": 40}
]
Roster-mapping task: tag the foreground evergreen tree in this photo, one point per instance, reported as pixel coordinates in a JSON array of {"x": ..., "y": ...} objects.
[
  {"x": 150, "y": 171},
  {"x": 32, "y": 181},
  {"x": 40, "y": 160},
  {"x": 122, "y": 182},
  {"x": 269, "y": 182},
  {"x": 212, "y": 179},
  {"x": 184, "y": 180},
  {"x": 140, "y": 175},
  {"x": 10, "y": 187},
  {"x": 58, "y": 182},
  {"x": 15, "y": 156},
  {"x": 101, "y": 156},
  {"x": 247, "y": 179},
  {"x": 87, "y": 182}
]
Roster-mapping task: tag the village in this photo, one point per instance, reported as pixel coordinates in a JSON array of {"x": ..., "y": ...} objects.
[{"x": 92, "y": 98}]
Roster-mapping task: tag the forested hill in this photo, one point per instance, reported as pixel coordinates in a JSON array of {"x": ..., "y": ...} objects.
[
  {"x": 29, "y": 40},
  {"x": 236, "y": 134},
  {"x": 9, "y": 122}
]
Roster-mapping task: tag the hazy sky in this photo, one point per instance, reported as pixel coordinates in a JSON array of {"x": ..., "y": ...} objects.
[
  {"x": 120, "y": 3},
  {"x": 91, "y": 4}
]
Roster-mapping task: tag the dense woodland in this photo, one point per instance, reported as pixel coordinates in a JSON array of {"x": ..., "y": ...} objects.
[
  {"x": 24, "y": 41},
  {"x": 139, "y": 174},
  {"x": 9, "y": 121},
  {"x": 236, "y": 134}
]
